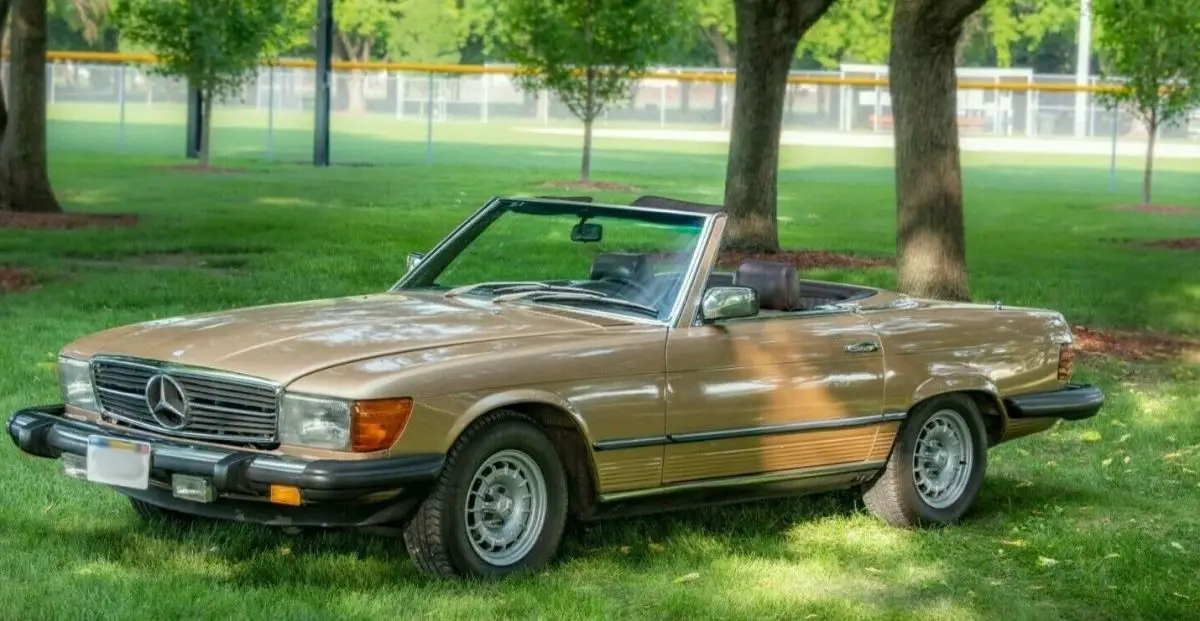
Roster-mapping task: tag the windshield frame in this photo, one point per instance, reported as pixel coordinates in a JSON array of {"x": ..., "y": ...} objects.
[{"x": 462, "y": 236}]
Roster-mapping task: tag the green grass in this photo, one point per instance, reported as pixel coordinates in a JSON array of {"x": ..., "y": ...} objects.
[{"x": 1093, "y": 520}]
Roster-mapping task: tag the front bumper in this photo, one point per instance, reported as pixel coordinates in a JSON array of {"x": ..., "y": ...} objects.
[
  {"x": 1075, "y": 402},
  {"x": 335, "y": 493}
]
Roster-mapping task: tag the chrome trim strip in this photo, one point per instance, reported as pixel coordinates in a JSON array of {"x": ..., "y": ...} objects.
[
  {"x": 688, "y": 283},
  {"x": 750, "y": 479},
  {"x": 748, "y": 432},
  {"x": 176, "y": 367}
]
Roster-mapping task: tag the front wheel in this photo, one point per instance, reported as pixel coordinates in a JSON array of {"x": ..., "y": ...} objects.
[
  {"x": 499, "y": 506},
  {"x": 936, "y": 468}
]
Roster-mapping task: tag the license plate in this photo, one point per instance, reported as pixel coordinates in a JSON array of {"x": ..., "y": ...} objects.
[{"x": 124, "y": 463}]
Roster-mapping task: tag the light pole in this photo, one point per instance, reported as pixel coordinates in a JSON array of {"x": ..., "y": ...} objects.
[
  {"x": 1083, "y": 64},
  {"x": 324, "y": 70}
]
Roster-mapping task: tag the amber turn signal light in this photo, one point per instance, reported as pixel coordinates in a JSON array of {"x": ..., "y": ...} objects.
[
  {"x": 378, "y": 423},
  {"x": 1066, "y": 361},
  {"x": 285, "y": 495}
]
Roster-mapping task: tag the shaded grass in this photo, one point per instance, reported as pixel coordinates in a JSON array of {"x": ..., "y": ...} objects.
[{"x": 1066, "y": 526}]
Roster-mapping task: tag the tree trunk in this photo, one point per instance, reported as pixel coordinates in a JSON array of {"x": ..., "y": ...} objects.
[
  {"x": 5, "y": 5},
  {"x": 585, "y": 167},
  {"x": 356, "y": 102},
  {"x": 589, "y": 117},
  {"x": 930, "y": 235},
  {"x": 206, "y": 129},
  {"x": 24, "y": 177},
  {"x": 1149, "y": 174},
  {"x": 767, "y": 34}
]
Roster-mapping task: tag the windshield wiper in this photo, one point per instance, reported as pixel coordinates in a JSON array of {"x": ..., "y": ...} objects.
[
  {"x": 590, "y": 296},
  {"x": 500, "y": 286},
  {"x": 496, "y": 284}
]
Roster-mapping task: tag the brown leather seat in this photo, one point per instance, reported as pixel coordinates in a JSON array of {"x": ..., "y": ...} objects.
[
  {"x": 623, "y": 266},
  {"x": 777, "y": 284}
]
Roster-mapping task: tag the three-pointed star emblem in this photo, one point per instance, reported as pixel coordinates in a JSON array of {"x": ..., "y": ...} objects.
[{"x": 167, "y": 401}]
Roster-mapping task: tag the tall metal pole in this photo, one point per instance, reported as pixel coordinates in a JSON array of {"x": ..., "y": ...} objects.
[
  {"x": 324, "y": 68},
  {"x": 1083, "y": 64},
  {"x": 195, "y": 108},
  {"x": 271, "y": 113}
]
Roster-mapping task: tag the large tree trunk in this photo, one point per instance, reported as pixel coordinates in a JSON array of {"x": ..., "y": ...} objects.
[
  {"x": 1148, "y": 177},
  {"x": 930, "y": 235},
  {"x": 24, "y": 179},
  {"x": 5, "y": 5},
  {"x": 767, "y": 34},
  {"x": 205, "y": 155}
]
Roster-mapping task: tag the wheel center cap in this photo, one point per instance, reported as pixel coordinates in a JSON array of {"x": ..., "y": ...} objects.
[{"x": 504, "y": 506}]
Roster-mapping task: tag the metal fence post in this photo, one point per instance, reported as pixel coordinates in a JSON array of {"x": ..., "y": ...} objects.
[
  {"x": 121, "y": 106},
  {"x": 50, "y": 80},
  {"x": 429, "y": 120},
  {"x": 1112, "y": 164},
  {"x": 662, "y": 105},
  {"x": 483, "y": 109},
  {"x": 400, "y": 96},
  {"x": 271, "y": 113}
]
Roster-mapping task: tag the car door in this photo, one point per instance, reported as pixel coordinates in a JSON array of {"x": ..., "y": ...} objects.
[{"x": 771, "y": 393}]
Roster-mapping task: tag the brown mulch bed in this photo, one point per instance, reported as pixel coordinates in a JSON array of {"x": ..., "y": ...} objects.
[
  {"x": 805, "y": 259},
  {"x": 1135, "y": 346},
  {"x": 1160, "y": 209},
  {"x": 13, "y": 280},
  {"x": 1183, "y": 243},
  {"x": 9, "y": 220},
  {"x": 588, "y": 185}
]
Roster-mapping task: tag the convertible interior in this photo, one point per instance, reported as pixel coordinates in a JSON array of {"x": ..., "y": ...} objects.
[{"x": 779, "y": 286}]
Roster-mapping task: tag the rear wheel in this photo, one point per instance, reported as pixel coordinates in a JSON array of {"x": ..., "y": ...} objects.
[
  {"x": 499, "y": 506},
  {"x": 936, "y": 468}
]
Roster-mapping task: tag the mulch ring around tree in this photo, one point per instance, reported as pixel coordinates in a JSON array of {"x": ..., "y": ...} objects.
[
  {"x": 13, "y": 280},
  {"x": 1136, "y": 346},
  {"x": 11, "y": 220},
  {"x": 588, "y": 185},
  {"x": 1160, "y": 209},
  {"x": 805, "y": 259},
  {"x": 1180, "y": 243}
]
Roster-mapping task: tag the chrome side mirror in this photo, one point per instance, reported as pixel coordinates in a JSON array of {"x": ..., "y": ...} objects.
[
  {"x": 414, "y": 259},
  {"x": 728, "y": 303}
]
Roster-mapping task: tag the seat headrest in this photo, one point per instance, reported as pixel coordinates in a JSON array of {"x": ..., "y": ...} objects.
[
  {"x": 777, "y": 284},
  {"x": 622, "y": 266}
]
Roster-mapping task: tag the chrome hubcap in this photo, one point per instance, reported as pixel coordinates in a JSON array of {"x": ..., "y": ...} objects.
[
  {"x": 506, "y": 507},
  {"x": 943, "y": 458}
]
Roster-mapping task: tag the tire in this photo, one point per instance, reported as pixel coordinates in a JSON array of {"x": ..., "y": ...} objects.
[
  {"x": 439, "y": 535},
  {"x": 897, "y": 497},
  {"x": 155, "y": 513}
]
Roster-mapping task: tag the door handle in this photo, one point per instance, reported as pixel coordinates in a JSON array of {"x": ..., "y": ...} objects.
[{"x": 862, "y": 348}]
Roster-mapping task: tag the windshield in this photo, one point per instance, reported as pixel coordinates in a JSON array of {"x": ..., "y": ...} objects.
[{"x": 582, "y": 256}]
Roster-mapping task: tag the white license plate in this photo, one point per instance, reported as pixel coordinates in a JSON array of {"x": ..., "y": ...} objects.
[{"x": 124, "y": 463}]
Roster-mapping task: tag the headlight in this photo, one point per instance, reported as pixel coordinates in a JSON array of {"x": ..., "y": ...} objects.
[
  {"x": 75, "y": 378},
  {"x": 341, "y": 425}
]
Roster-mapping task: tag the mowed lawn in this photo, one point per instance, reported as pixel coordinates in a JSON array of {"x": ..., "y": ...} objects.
[{"x": 1092, "y": 520}]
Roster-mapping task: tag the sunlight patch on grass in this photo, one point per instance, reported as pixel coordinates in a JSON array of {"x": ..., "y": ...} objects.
[{"x": 286, "y": 201}]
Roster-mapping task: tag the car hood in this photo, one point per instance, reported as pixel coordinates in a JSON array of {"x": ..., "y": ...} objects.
[{"x": 286, "y": 341}]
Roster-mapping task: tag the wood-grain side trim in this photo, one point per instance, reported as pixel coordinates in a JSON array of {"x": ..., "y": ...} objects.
[
  {"x": 752, "y": 479},
  {"x": 748, "y": 432}
]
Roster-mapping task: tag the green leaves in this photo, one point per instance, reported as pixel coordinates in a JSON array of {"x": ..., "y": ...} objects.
[
  {"x": 1153, "y": 45},
  {"x": 588, "y": 52},
  {"x": 215, "y": 44}
]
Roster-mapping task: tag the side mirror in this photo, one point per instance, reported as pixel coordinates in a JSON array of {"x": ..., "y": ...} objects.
[
  {"x": 728, "y": 303},
  {"x": 414, "y": 259}
]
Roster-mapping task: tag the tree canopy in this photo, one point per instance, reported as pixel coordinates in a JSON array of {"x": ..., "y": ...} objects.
[
  {"x": 1003, "y": 33},
  {"x": 588, "y": 53},
  {"x": 1154, "y": 47}
]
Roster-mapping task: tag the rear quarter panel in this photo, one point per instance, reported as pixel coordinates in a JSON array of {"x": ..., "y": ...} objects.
[{"x": 935, "y": 349}]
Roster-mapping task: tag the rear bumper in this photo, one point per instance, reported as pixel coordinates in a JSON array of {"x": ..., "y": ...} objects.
[
  {"x": 335, "y": 493},
  {"x": 1075, "y": 402}
]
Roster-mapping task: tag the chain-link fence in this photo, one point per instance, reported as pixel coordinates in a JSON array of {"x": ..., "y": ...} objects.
[{"x": 390, "y": 116}]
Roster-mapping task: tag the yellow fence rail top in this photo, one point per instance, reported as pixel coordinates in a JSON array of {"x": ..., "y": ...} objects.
[{"x": 686, "y": 76}]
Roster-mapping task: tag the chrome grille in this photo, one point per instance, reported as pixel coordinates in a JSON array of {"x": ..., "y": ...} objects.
[{"x": 220, "y": 406}]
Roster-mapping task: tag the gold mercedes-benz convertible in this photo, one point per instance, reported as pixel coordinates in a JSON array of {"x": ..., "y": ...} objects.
[{"x": 554, "y": 359}]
